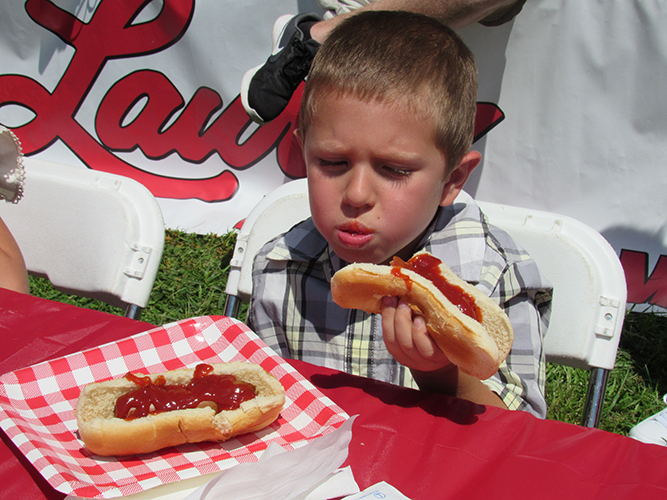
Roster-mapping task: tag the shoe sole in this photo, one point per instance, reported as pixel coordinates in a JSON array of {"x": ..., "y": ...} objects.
[
  {"x": 278, "y": 30},
  {"x": 653, "y": 430},
  {"x": 245, "y": 85}
]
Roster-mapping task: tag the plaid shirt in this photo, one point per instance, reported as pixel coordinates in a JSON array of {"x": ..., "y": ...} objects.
[{"x": 292, "y": 309}]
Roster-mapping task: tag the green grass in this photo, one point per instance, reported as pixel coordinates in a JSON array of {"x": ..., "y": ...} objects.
[
  {"x": 635, "y": 386},
  {"x": 191, "y": 282}
]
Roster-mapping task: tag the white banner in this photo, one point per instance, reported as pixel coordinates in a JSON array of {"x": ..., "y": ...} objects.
[
  {"x": 150, "y": 90},
  {"x": 585, "y": 134}
]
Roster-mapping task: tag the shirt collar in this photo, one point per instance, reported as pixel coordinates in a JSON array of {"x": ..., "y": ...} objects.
[
  {"x": 458, "y": 239},
  {"x": 302, "y": 243}
]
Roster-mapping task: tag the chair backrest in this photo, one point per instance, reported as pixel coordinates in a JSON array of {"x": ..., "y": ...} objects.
[
  {"x": 590, "y": 292},
  {"x": 589, "y": 283},
  {"x": 276, "y": 213},
  {"x": 90, "y": 233}
]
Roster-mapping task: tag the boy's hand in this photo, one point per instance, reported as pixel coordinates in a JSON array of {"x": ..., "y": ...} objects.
[{"x": 407, "y": 339}]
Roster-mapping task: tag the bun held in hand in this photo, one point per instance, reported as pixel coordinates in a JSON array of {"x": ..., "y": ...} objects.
[
  {"x": 144, "y": 413},
  {"x": 472, "y": 330}
]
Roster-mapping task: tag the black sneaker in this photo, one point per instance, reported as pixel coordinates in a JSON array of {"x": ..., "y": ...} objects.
[
  {"x": 266, "y": 89},
  {"x": 503, "y": 15}
]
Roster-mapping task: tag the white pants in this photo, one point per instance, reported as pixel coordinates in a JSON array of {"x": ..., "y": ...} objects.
[{"x": 338, "y": 7}]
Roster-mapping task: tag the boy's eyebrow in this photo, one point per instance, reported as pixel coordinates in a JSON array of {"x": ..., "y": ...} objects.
[
  {"x": 390, "y": 155},
  {"x": 404, "y": 156}
]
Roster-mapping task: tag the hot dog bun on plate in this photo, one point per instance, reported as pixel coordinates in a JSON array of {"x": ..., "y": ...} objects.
[{"x": 104, "y": 433}]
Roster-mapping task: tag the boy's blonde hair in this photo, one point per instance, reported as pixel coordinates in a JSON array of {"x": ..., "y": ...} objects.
[{"x": 400, "y": 57}]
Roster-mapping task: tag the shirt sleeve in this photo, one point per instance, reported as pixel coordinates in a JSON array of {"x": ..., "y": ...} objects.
[{"x": 526, "y": 299}]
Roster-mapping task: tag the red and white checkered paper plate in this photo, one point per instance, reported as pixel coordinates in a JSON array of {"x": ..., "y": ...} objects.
[{"x": 37, "y": 408}]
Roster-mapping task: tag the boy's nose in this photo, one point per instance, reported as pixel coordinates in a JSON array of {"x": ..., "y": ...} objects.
[{"x": 359, "y": 190}]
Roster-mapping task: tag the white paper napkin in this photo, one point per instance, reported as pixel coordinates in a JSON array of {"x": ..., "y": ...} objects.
[
  {"x": 310, "y": 472},
  {"x": 382, "y": 490}
]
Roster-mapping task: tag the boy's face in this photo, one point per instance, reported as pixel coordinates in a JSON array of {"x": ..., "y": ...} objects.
[{"x": 376, "y": 177}]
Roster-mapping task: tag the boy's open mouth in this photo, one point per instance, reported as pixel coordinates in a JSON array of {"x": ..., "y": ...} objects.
[{"x": 354, "y": 234}]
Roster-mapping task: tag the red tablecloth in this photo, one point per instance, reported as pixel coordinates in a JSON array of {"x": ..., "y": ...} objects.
[{"x": 429, "y": 446}]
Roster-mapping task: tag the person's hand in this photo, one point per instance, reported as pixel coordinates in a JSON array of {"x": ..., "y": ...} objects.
[{"x": 407, "y": 339}]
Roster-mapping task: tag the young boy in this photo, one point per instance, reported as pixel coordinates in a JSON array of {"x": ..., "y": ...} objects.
[{"x": 386, "y": 127}]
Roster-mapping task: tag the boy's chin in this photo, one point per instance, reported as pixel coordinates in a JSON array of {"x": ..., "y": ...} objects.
[
  {"x": 354, "y": 257},
  {"x": 360, "y": 257},
  {"x": 379, "y": 258}
]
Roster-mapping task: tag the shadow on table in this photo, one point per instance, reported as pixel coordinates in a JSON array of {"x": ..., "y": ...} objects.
[{"x": 454, "y": 409}]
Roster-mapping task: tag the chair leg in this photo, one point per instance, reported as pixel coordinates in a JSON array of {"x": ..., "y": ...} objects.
[
  {"x": 133, "y": 311},
  {"x": 232, "y": 306},
  {"x": 597, "y": 384}
]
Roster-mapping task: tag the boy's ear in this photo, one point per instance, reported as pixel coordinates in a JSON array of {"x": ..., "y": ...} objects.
[
  {"x": 458, "y": 177},
  {"x": 299, "y": 139}
]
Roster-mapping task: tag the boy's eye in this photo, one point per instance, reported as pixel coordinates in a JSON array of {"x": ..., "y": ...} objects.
[
  {"x": 331, "y": 163},
  {"x": 396, "y": 172}
]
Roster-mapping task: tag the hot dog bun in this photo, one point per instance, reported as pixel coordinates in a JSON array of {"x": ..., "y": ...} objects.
[
  {"x": 476, "y": 347},
  {"x": 105, "y": 434}
]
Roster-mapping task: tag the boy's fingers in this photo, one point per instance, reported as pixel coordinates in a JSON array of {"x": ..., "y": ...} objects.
[
  {"x": 425, "y": 344},
  {"x": 407, "y": 338},
  {"x": 413, "y": 329},
  {"x": 397, "y": 328},
  {"x": 388, "y": 313},
  {"x": 422, "y": 339},
  {"x": 403, "y": 326},
  {"x": 389, "y": 301}
]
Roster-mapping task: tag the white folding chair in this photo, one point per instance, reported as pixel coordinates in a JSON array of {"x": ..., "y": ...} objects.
[
  {"x": 590, "y": 292},
  {"x": 589, "y": 283},
  {"x": 276, "y": 213},
  {"x": 90, "y": 233}
]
